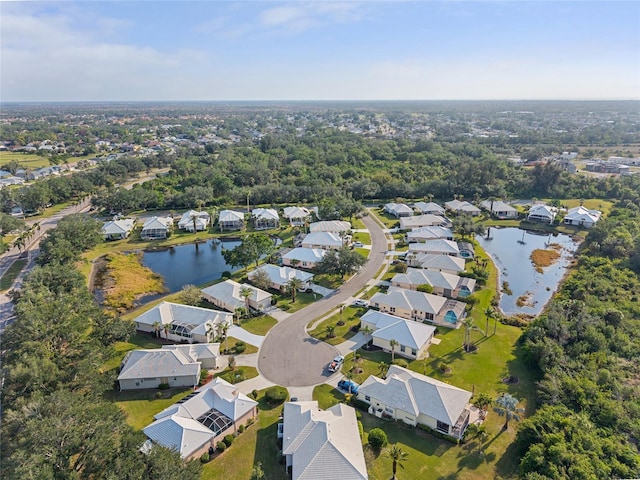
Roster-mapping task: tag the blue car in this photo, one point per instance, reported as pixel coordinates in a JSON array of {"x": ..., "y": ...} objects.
[{"x": 345, "y": 384}]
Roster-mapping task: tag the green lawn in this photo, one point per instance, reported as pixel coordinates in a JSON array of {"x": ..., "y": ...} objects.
[
  {"x": 328, "y": 281},
  {"x": 358, "y": 224},
  {"x": 231, "y": 341},
  {"x": 10, "y": 275},
  {"x": 362, "y": 237},
  {"x": 259, "y": 325},
  {"x": 302, "y": 300},
  {"x": 327, "y": 396},
  {"x": 26, "y": 160},
  {"x": 388, "y": 220},
  {"x": 140, "y": 406},
  {"x": 238, "y": 374},
  {"x": 350, "y": 316},
  {"x": 258, "y": 443}
]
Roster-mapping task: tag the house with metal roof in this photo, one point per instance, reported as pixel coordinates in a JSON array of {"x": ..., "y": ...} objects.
[
  {"x": 197, "y": 422},
  {"x": 582, "y": 217},
  {"x": 427, "y": 220},
  {"x": 439, "y": 246},
  {"x": 423, "y": 307},
  {"x": 303, "y": 257},
  {"x": 413, "y": 338},
  {"x": 458, "y": 206},
  {"x": 442, "y": 283},
  {"x": 429, "y": 207},
  {"x": 117, "y": 229},
  {"x": 265, "y": 218},
  {"x": 416, "y": 399},
  {"x": 442, "y": 263},
  {"x": 335, "y": 226},
  {"x": 230, "y": 220},
  {"x": 228, "y": 295},
  {"x": 156, "y": 228},
  {"x": 281, "y": 276},
  {"x": 429, "y": 233},
  {"x": 322, "y": 444},
  {"x": 398, "y": 209},
  {"x": 179, "y": 323},
  {"x": 323, "y": 240},
  {"x": 142, "y": 369},
  {"x": 297, "y": 216},
  {"x": 192, "y": 219},
  {"x": 499, "y": 209},
  {"x": 542, "y": 213}
]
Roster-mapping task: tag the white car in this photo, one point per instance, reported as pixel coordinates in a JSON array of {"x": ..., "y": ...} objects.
[
  {"x": 337, "y": 362},
  {"x": 358, "y": 244},
  {"x": 361, "y": 303}
]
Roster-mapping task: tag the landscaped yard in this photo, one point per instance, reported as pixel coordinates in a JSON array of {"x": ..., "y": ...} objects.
[
  {"x": 259, "y": 325},
  {"x": 231, "y": 341},
  {"x": 328, "y": 281},
  {"x": 302, "y": 300},
  {"x": 10, "y": 275},
  {"x": 327, "y": 396},
  {"x": 388, "y": 220},
  {"x": 238, "y": 374},
  {"x": 350, "y": 316}
]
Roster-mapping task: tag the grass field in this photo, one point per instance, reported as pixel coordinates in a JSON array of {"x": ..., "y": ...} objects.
[
  {"x": 238, "y": 374},
  {"x": 259, "y": 325},
  {"x": 350, "y": 316},
  {"x": 26, "y": 160},
  {"x": 10, "y": 275}
]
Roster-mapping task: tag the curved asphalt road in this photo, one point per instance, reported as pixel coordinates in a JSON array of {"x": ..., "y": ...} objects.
[{"x": 292, "y": 358}]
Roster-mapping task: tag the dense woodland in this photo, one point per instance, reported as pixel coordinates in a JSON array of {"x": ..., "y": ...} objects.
[{"x": 57, "y": 423}]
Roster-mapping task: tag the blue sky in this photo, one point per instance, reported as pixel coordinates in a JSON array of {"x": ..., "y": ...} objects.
[{"x": 319, "y": 50}]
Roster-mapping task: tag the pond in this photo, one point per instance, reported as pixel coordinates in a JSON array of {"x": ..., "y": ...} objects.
[
  {"x": 190, "y": 264},
  {"x": 528, "y": 289}
]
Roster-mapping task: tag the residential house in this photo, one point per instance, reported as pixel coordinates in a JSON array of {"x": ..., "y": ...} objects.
[
  {"x": 439, "y": 246},
  {"x": 200, "y": 219},
  {"x": 458, "y": 207},
  {"x": 281, "y": 276},
  {"x": 265, "y": 218},
  {"x": 196, "y": 423},
  {"x": 441, "y": 263},
  {"x": 179, "y": 323},
  {"x": 582, "y": 217},
  {"x": 446, "y": 284},
  {"x": 429, "y": 208},
  {"x": 322, "y": 444},
  {"x": 418, "y": 221},
  {"x": 230, "y": 220},
  {"x": 398, "y": 210},
  {"x": 227, "y": 295},
  {"x": 499, "y": 209},
  {"x": 418, "y": 400},
  {"x": 303, "y": 257},
  {"x": 208, "y": 354},
  {"x": 466, "y": 250},
  {"x": 297, "y": 216},
  {"x": 335, "y": 226},
  {"x": 8, "y": 181},
  {"x": 149, "y": 368},
  {"x": 323, "y": 240},
  {"x": 413, "y": 338},
  {"x": 117, "y": 229},
  {"x": 542, "y": 213},
  {"x": 429, "y": 233},
  {"x": 156, "y": 227},
  {"x": 419, "y": 306}
]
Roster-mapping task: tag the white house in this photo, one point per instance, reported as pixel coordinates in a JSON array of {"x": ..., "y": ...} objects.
[
  {"x": 499, "y": 208},
  {"x": 429, "y": 233},
  {"x": 201, "y": 220},
  {"x": 228, "y": 295},
  {"x": 281, "y": 276},
  {"x": 542, "y": 213},
  {"x": 438, "y": 246},
  {"x": 149, "y": 368},
  {"x": 441, "y": 263},
  {"x": 418, "y": 221},
  {"x": 322, "y": 444},
  {"x": 156, "y": 227},
  {"x": 582, "y": 217},
  {"x": 265, "y": 218},
  {"x": 462, "y": 207},
  {"x": 117, "y": 229},
  {"x": 430, "y": 207},
  {"x": 443, "y": 283},
  {"x": 178, "y": 323},
  {"x": 413, "y": 337},
  {"x": 335, "y": 226},
  {"x": 398, "y": 209},
  {"x": 303, "y": 257},
  {"x": 297, "y": 216},
  {"x": 201, "y": 419},
  {"x": 323, "y": 240},
  {"x": 419, "y": 306},
  {"x": 230, "y": 220},
  {"x": 417, "y": 399}
]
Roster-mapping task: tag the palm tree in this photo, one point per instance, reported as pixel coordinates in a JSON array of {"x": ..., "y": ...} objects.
[
  {"x": 246, "y": 292},
  {"x": 383, "y": 367},
  {"x": 257, "y": 473},
  {"x": 468, "y": 326},
  {"x": 507, "y": 405},
  {"x": 222, "y": 329},
  {"x": 367, "y": 330},
  {"x": 194, "y": 217},
  {"x": 166, "y": 330},
  {"x": 330, "y": 331},
  {"x": 293, "y": 286},
  {"x": 397, "y": 456},
  {"x": 393, "y": 343},
  {"x": 489, "y": 313},
  {"x": 156, "y": 327},
  {"x": 211, "y": 331}
]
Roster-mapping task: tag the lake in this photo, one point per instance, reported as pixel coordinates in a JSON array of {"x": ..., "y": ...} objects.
[
  {"x": 510, "y": 249},
  {"x": 190, "y": 264}
]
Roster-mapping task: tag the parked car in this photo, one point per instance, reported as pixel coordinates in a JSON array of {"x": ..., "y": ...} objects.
[
  {"x": 336, "y": 363},
  {"x": 361, "y": 303},
  {"x": 358, "y": 244},
  {"x": 345, "y": 384}
]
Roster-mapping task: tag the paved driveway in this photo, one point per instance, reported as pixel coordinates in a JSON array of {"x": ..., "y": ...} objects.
[{"x": 289, "y": 356}]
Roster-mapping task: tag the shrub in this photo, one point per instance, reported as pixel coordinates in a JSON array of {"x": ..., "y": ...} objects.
[
  {"x": 240, "y": 347},
  {"x": 249, "y": 422},
  {"x": 204, "y": 373},
  {"x": 514, "y": 321},
  {"x": 254, "y": 394},
  {"x": 204, "y": 458},
  {"x": 274, "y": 300},
  {"x": 360, "y": 404},
  {"x": 228, "y": 440},
  {"x": 309, "y": 290},
  {"x": 276, "y": 395},
  {"x": 378, "y": 439},
  {"x": 401, "y": 362},
  {"x": 241, "y": 429},
  {"x": 221, "y": 446},
  {"x": 163, "y": 386},
  {"x": 226, "y": 274},
  {"x": 360, "y": 429}
]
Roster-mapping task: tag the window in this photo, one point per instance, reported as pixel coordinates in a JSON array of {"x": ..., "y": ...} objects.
[
  {"x": 402, "y": 348},
  {"x": 389, "y": 410},
  {"x": 442, "y": 427},
  {"x": 367, "y": 398},
  {"x": 392, "y": 309},
  {"x": 414, "y": 352}
]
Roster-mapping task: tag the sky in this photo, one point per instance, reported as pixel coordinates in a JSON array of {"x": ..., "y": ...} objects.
[{"x": 318, "y": 50}]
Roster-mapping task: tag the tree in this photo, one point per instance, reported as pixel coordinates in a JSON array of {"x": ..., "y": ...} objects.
[
  {"x": 190, "y": 295},
  {"x": 246, "y": 292},
  {"x": 258, "y": 245},
  {"x": 393, "y": 343},
  {"x": 468, "y": 327},
  {"x": 331, "y": 331},
  {"x": 293, "y": 286},
  {"x": 397, "y": 457},
  {"x": 232, "y": 362},
  {"x": 489, "y": 312},
  {"x": 222, "y": 329},
  {"x": 257, "y": 473},
  {"x": 238, "y": 256},
  {"x": 260, "y": 278},
  {"x": 367, "y": 331},
  {"x": 211, "y": 331},
  {"x": 157, "y": 326},
  {"x": 167, "y": 327},
  {"x": 382, "y": 368},
  {"x": 342, "y": 262},
  {"x": 377, "y": 439},
  {"x": 507, "y": 405}
]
